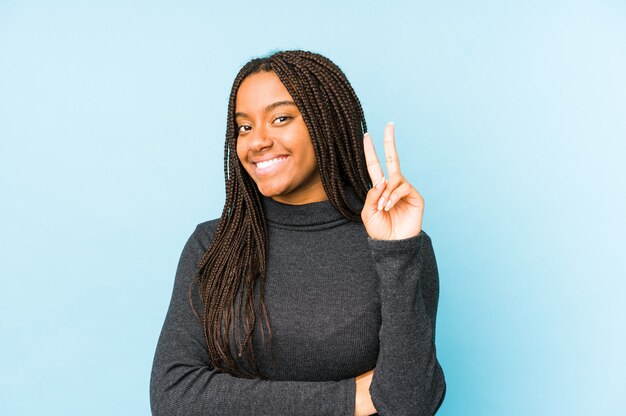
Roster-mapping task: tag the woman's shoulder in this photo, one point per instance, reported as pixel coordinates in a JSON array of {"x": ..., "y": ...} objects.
[
  {"x": 207, "y": 228},
  {"x": 201, "y": 237}
]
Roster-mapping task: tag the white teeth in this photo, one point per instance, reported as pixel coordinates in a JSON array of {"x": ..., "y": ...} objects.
[{"x": 268, "y": 163}]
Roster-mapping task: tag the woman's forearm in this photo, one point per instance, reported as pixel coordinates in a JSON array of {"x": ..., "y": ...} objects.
[{"x": 408, "y": 379}]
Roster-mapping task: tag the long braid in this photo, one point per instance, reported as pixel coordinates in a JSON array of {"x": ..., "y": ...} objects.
[{"x": 235, "y": 262}]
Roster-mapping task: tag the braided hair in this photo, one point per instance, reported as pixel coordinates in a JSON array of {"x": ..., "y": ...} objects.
[{"x": 235, "y": 262}]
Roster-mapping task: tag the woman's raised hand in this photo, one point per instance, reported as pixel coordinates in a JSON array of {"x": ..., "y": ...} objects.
[{"x": 393, "y": 209}]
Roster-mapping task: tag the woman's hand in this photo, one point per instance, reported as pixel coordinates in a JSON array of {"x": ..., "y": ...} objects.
[
  {"x": 393, "y": 209},
  {"x": 363, "y": 405}
]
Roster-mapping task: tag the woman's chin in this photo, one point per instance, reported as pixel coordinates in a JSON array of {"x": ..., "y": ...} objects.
[{"x": 271, "y": 192}]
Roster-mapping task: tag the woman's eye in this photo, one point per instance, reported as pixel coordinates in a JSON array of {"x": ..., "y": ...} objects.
[
  {"x": 243, "y": 129},
  {"x": 282, "y": 119}
]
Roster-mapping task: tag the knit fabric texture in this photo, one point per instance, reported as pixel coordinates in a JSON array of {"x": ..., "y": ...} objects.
[{"x": 339, "y": 304}]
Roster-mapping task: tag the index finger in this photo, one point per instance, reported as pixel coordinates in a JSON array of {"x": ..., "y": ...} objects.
[
  {"x": 373, "y": 165},
  {"x": 391, "y": 154}
]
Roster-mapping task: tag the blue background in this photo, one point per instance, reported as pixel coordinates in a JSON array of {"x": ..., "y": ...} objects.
[{"x": 510, "y": 120}]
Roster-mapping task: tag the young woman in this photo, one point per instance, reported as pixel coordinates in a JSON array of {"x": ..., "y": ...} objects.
[{"x": 316, "y": 291}]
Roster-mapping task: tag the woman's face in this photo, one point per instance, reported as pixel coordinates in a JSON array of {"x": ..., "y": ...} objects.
[{"x": 273, "y": 143}]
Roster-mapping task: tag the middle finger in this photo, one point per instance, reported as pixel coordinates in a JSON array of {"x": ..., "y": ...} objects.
[{"x": 391, "y": 154}]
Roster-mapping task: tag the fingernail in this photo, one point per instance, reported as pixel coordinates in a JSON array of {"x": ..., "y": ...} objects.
[
  {"x": 388, "y": 206},
  {"x": 381, "y": 203},
  {"x": 366, "y": 135},
  {"x": 391, "y": 123}
]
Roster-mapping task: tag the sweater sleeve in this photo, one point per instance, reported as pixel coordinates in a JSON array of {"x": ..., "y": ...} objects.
[
  {"x": 184, "y": 383},
  {"x": 408, "y": 379}
]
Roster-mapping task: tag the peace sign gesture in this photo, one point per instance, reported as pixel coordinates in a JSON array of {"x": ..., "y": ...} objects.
[{"x": 393, "y": 209}]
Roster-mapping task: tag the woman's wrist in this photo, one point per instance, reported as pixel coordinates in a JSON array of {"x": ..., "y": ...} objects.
[{"x": 363, "y": 405}]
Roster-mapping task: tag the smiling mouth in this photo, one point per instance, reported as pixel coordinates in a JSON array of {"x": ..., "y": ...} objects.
[{"x": 267, "y": 165}]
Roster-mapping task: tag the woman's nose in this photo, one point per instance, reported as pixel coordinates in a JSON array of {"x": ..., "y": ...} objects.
[{"x": 261, "y": 139}]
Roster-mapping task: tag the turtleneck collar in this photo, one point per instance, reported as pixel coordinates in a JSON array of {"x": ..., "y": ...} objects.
[{"x": 313, "y": 216}]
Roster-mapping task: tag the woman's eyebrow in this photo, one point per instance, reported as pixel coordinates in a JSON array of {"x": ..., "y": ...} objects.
[{"x": 269, "y": 107}]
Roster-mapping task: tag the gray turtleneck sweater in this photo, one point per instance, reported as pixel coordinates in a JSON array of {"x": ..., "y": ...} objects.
[{"x": 339, "y": 304}]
